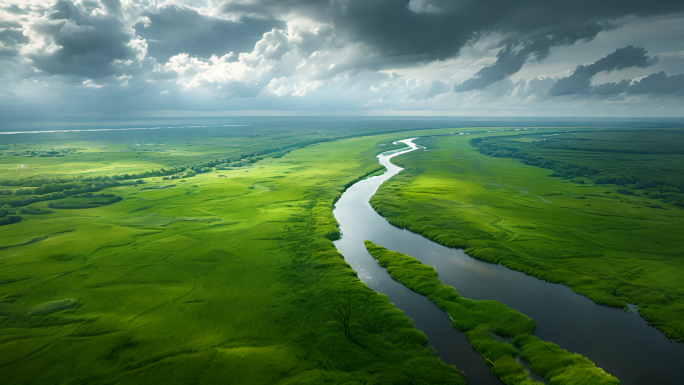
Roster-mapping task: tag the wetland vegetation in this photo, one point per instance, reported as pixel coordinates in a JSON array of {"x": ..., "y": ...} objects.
[
  {"x": 504, "y": 197},
  {"x": 485, "y": 322},
  {"x": 199, "y": 257},
  {"x": 210, "y": 279}
]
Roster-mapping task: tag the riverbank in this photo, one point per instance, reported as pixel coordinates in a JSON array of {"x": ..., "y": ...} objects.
[
  {"x": 618, "y": 341},
  {"x": 210, "y": 280},
  {"x": 601, "y": 247},
  {"x": 484, "y": 322}
]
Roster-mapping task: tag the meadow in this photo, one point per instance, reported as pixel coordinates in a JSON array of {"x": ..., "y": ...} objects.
[
  {"x": 502, "y": 196},
  {"x": 207, "y": 256},
  {"x": 644, "y": 163},
  {"x": 224, "y": 276}
]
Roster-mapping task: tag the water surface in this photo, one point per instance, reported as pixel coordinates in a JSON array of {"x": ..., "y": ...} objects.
[{"x": 618, "y": 341}]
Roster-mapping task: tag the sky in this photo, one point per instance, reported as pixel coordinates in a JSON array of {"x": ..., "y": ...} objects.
[{"x": 490, "y": 58}]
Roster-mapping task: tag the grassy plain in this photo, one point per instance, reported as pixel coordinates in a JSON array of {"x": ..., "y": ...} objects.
[
  {"x": 113, "y": 152},
  {"x": 644, "y": 163},
  {"x": 611, "y": 247},
  {"x": 484, "y": 320},
  {"x": 226, "y": 277}
]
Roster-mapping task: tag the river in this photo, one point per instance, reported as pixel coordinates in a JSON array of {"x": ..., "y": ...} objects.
[{"x": 617, "y": 341}]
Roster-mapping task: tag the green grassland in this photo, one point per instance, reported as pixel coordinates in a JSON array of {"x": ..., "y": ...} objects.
[
  {"x": 644, "y": 163},
  {"x": 208, "y": 258},
  {"x": 118, "y": 152},
  {"x": 227, "y": 276},
  {"x": 53, "y": 168},
  {"x": 612, "y": 247},
  {"x": 483, "y": 321}
]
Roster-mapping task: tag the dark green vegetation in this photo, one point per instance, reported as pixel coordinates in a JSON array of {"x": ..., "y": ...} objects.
[
  {"x": 611, "y": 247},
  {"x": 649, "y": 163},
  {"x": 483, "y": 321},
  {"x": 207, "y": 280}
]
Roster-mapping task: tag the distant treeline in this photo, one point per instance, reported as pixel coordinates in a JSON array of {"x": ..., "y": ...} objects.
[
  {"x": 565, "y": 170},
  {"x": 665, "y": 190},
  {"x": 237, "y": 160}
]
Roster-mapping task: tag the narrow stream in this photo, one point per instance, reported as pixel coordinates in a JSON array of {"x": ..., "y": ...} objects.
[{"x": 617, "y": 341}]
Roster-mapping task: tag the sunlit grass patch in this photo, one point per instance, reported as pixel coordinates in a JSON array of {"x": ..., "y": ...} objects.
[{"x": 228, "y": 282}]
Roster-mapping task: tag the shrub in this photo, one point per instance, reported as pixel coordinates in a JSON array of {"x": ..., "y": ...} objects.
[{"x": 8, "y": 220}]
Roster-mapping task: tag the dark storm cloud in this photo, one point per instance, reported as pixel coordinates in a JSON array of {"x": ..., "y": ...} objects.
[
  {"x": 610, "y": 88},
  {"x": 175, "y": 30},
  {"x": 426, "y": 30},
  {"x": 510, "y": 61},
  {"x": 438, "y": 29},
  {"x": 89, "y": 43},
  {"x": 580, "y": 81},
  {"x": 659, "y": 84}
]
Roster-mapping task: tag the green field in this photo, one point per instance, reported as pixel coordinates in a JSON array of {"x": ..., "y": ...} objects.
[
  {"x": 615, "y": 243},
  {"x": 228, "y": 276},
  {"x": 203, "y": 258}
]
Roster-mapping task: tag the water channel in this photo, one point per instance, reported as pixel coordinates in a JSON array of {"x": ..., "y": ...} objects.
[{"x": 617, "y": 341}]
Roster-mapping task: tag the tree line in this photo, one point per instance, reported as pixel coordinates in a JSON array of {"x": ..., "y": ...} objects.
[{"x": 664, "y": 190}]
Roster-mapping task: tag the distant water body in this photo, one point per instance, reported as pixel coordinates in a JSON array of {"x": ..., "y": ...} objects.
[
  {"x": 114, "y": 129},
  {"x": 37, "y": 123},
  {"x": 617, "y": 341}
]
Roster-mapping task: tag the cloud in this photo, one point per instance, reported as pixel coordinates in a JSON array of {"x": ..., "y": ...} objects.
[
  {"x": 509, "y": 60},
  {"x": 11, "y": 32},
  {"x": 610, "y": 88},
  {"x": 353, "y": 55},
  {"x": 429, "y": 30},
  {"x": 532, "y": 89},
  {"x": 278, "y": 8},
  {"x": 659, "y": 84},
  {"x": 580, "y": 81},
  {"x": 71, "y": 40},
  {"x": 437, "y": 88},
  {"x": 13, "y": 8},
  {"x": 171, "y": 30}
]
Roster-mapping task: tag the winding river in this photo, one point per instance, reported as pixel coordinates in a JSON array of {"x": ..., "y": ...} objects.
[{"x": 617, "y": 341}]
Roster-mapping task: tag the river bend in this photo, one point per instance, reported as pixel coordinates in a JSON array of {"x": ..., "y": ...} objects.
[{"x": 617, "y": 341}]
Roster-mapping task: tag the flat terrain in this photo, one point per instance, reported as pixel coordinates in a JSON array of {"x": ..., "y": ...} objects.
[
  {"x": 228, "y": 276},
  {"x": 206, "y": 257},
  {"x": 610, "y": 242}
]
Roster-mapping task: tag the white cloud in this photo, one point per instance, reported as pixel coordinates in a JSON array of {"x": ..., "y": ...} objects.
[{"x": 96, "y": 52}]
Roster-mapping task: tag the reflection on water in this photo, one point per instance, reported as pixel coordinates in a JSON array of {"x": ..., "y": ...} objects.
[{"x": 620, "y": 342}]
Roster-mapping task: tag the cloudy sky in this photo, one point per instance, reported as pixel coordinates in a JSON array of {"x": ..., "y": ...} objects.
[{"x": 352, "y": 57}]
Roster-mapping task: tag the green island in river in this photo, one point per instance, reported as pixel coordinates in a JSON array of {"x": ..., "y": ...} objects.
[{"x": 482, "y": 321}]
